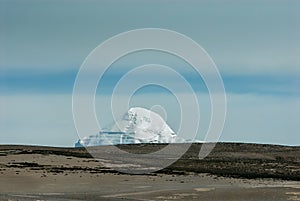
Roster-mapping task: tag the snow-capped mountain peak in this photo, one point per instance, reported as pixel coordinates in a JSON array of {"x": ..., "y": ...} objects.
[
  {"x": 148, "y": 126},
  {"x": 138, "y": 125}
]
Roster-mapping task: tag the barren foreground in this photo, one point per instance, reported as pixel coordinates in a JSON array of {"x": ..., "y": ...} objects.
[{"x": 230, "y": 172}]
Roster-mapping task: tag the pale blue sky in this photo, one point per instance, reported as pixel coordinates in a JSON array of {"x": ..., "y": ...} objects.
[{"x": 255, "y": 45}]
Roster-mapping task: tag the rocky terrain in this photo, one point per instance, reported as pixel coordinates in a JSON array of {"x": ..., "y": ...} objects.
[
  {"x": 227, "y": 159},
  {"x": 231, "y": 171}
]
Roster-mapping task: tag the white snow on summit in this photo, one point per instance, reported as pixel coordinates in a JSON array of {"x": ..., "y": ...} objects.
[
  {"x": 138, "y": 125},
  {"x": 148, "y": 127}
]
